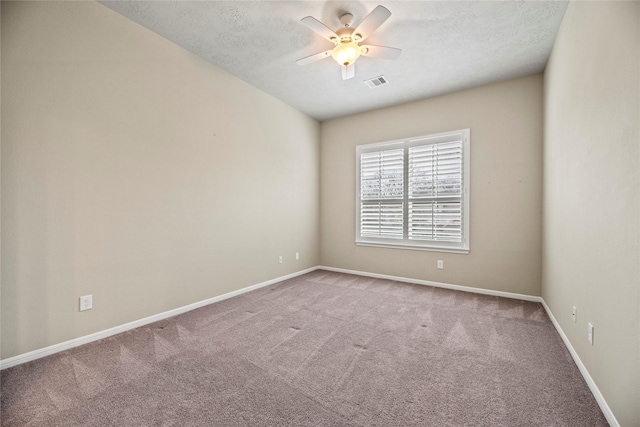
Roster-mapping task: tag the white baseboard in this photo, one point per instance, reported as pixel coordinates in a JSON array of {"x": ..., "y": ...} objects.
[
  {"x": 56, "y": 348},
  {"x": 437, "y": 284},
  {"x": 608, "y": 414}
]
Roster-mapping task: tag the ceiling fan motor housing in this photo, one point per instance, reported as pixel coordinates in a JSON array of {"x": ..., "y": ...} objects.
[{"x": 345, "y": 34}]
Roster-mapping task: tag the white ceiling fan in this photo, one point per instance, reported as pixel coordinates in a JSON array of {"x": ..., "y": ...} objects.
[{"x": 347, "y": 40}]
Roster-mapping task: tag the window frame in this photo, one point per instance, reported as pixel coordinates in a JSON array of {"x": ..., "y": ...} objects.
[{"x": 463, "y": 135}]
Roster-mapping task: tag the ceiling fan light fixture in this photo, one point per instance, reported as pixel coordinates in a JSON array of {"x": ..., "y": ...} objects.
[{"x": 346, "y": 53}]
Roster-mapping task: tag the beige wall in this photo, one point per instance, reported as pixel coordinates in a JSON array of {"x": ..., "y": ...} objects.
[
  {"x": 592, "y": 194},
  {"x": 138, "y": 173},
  {"x": 506, "y": 183}
]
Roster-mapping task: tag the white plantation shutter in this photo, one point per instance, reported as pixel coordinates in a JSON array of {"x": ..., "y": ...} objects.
[
  {"x": 414, "y": 193},
  {"x": 381, "y": 181},
  {"x": 381, "y": 220},
  {"x": 382, "y": 175},
  {"x": 435, "y": 170},
  {"x": 435, "y": 192},
  {"x": 439, "y": 221}
]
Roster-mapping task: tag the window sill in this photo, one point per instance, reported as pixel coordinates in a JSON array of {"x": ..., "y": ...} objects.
[{"x": 415, "y": 248}]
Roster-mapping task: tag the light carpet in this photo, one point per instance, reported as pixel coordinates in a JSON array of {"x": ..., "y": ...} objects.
[{"x": 322, "y": 349}]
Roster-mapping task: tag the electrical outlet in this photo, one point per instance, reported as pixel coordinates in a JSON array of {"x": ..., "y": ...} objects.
[
  {"x": 297, "y": 256},
  {"x": 440, "y": 264},
  {"x": 590, "y": 333},
  {"x": 86, "y": 302},
  {"x": 280, "y": 259},
  {"x": 575, "y": 314}
]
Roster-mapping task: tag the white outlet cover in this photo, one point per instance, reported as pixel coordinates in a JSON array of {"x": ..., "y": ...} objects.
[
  {"x": 590, "y": 333},
  {"x": 440, "y": 263},
  {"x": 86, "y": 302}
]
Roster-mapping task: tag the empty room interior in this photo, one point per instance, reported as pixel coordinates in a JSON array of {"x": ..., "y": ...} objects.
[{"x": 319, "y": 213}]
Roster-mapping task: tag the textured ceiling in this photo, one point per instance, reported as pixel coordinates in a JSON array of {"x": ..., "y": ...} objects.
[{"x": 447, "y": 46}]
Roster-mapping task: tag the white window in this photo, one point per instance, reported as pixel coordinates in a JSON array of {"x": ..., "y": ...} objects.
[{"x": 414, "y": 193}]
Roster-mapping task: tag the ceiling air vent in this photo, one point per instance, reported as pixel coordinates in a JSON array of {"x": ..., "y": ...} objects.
[{"x": 376, "y": 81}]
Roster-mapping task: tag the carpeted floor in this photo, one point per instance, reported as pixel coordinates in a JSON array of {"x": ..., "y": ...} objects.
[{"x": 323, "y": 349}]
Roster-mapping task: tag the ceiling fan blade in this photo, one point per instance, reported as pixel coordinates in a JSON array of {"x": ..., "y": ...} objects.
[
  {"x": 313, "y": 58},
  {"x": 382, "y": 52},
  {"x": 372, "y": 21},
  {"x": 348, "y": 71},
  {"x": 319, "y": 27}
]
